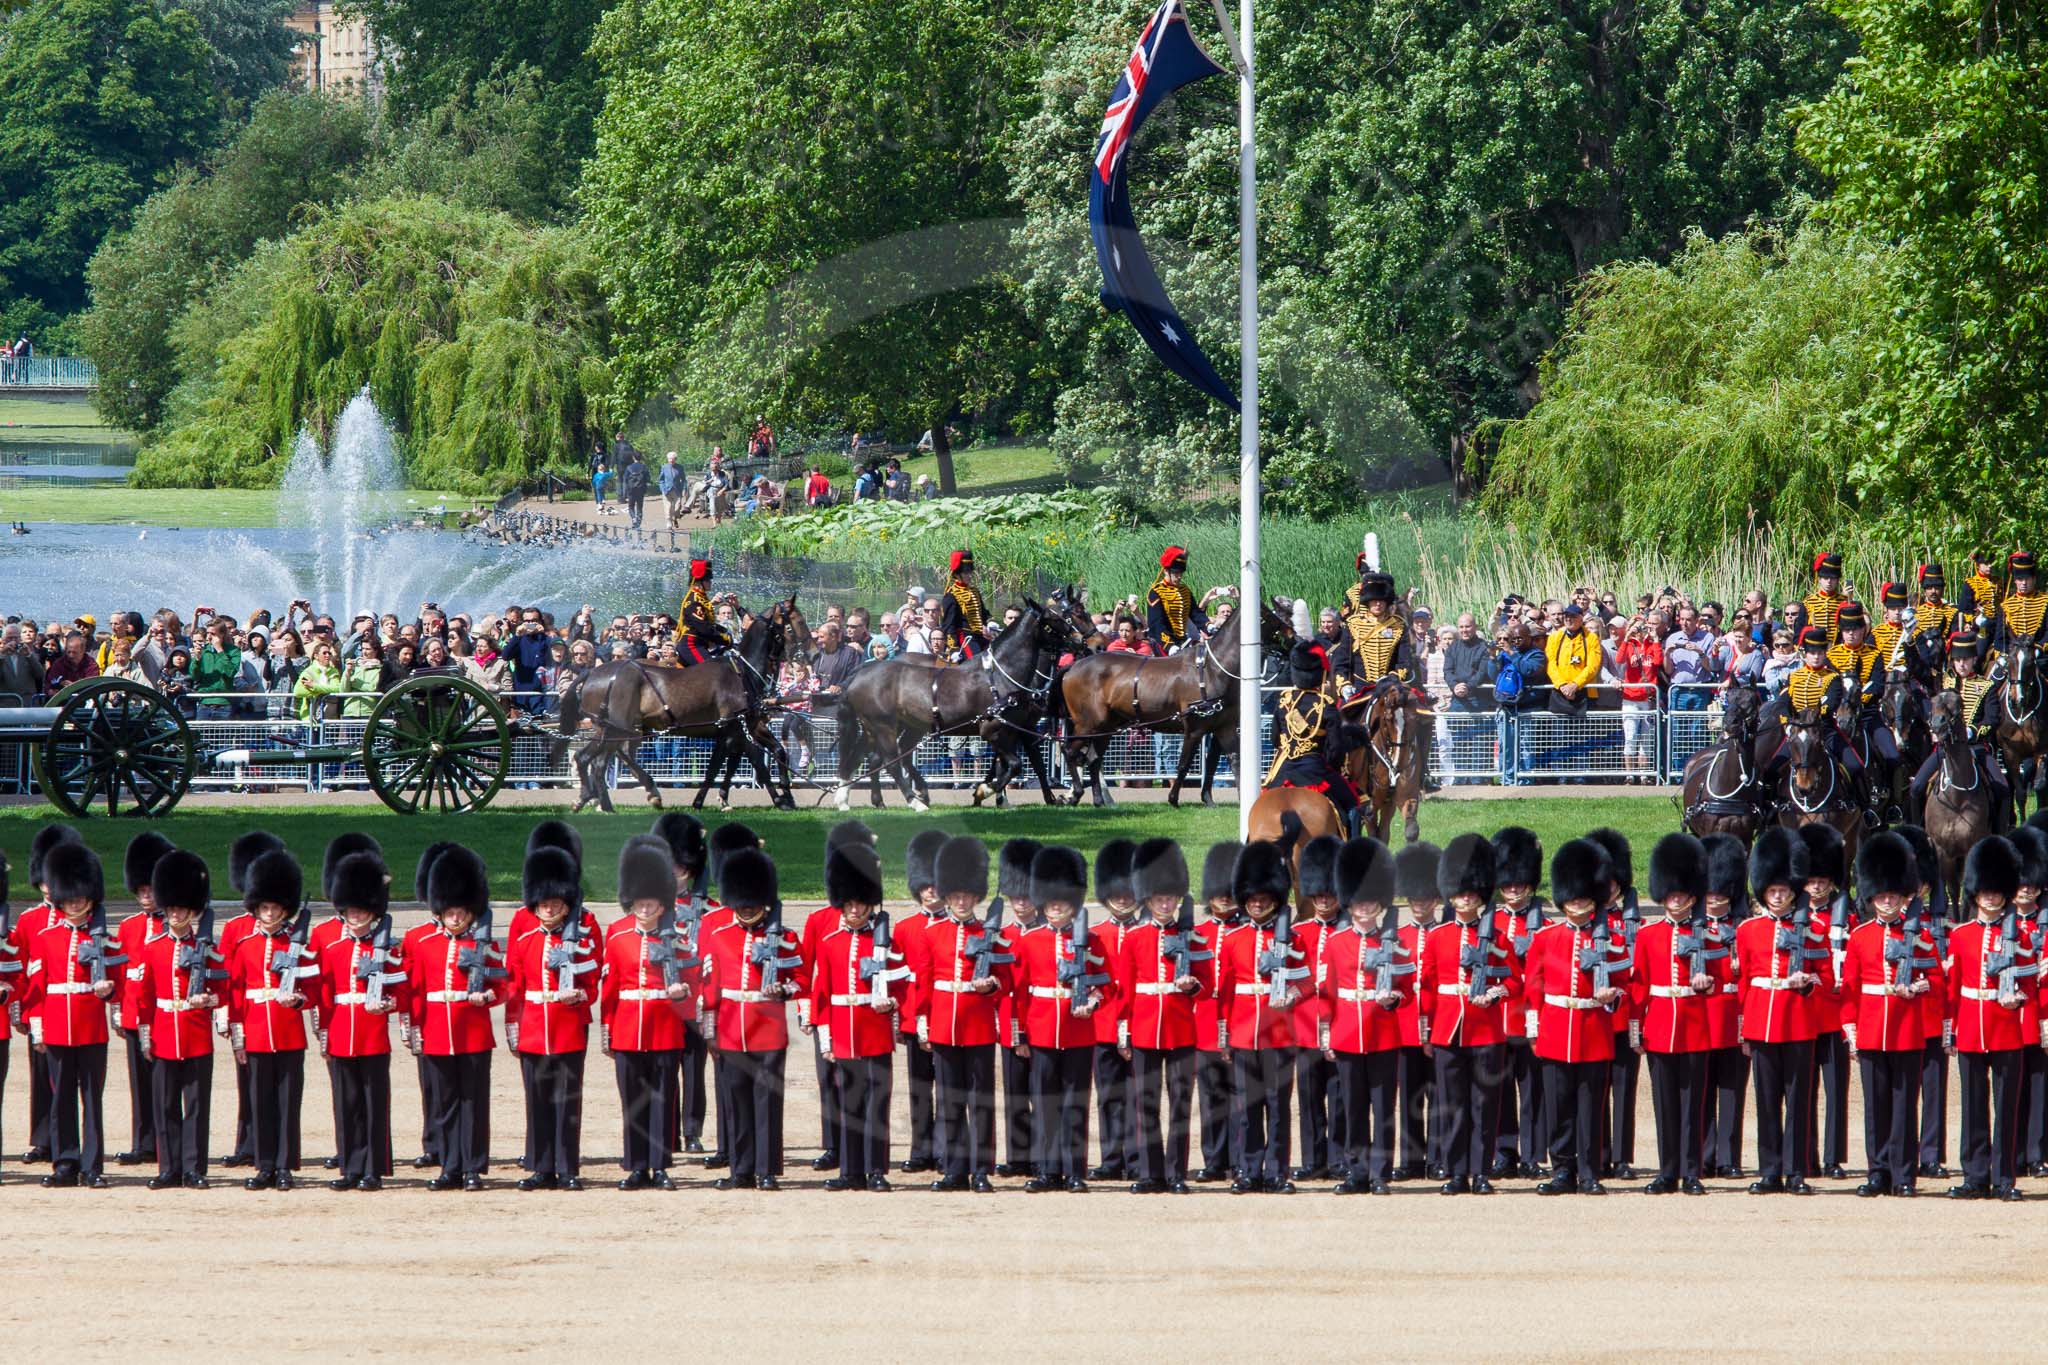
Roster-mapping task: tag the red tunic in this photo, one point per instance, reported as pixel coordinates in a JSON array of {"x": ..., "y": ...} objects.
[
  {"x": 1107, "y": 939},
  {"x": 1156, "y": 1015},
  {"x": 59, "y": 994},
  {"x": 1211, "y": 1010},
  {"x": 1520, "y": 933},
  {"x": 341, "y": 998},
  {"x": 907, "y": 933},
  {"x": 1571, "y": 1026},
  {"x": 1983, "y": 1024},
  {"x": 135, "y": 931},
  {"x": 842, "y": 1006},
  {"x": 1885, "y": 1021},
  {"x": 1445, "y": 986},
  {"x": 1724, "y": 1007},
  {"x": 27, "y": 925},
  {"x": 1675, "y": 1016},
  {"x": 1773, "y": 1012},
  {"x": 450, "y": 1023},
  {"x": 1313, "y": 935},
  {"x": 633, "y": 1000},
  {"x": 942, "y": 960},
  {"x": 1411, "y": 1013},
  {"x": 1357, "y": 1022},
  {"x": 253, "y": 988},
  {"x": 1043, "y": 1007},
  {"x": 748, "y": 1019},
  {"x": 550, "y": 1026},
  {"x": 1245, "y": 992},
  {"x": 178, "y": 1030}
]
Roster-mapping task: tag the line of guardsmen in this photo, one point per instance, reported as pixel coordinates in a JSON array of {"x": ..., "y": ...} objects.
[{"x": 1420, "y": 1012}]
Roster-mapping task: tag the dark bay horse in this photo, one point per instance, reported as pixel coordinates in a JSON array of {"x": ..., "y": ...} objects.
[
  {"x": 1387, "y": 770},
  {"x": 1192, "y": 693},
  {"x": 1816, "y": 789},
  {"x": 1719, "y": 792},
  {"x": 1957, "y": 810},
  {"x": 2021, "y": 730},
  {"x": 722, "y": 699},
  {"x": 1902, "y": 710}
]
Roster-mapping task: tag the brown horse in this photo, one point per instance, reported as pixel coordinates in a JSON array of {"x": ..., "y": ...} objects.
[
  {"x": 1815, "y": 789},
  {"x": 1290, "y": 817},
  {"x": 2021, "y": 730},
  {"x": 722, "y": 699},
  {"x": 1957, "y": 809},
  {"x": 1719, "y": 792},
  {"x": 1387, "y": 770},
  {"x": 1192, "y": 693}
]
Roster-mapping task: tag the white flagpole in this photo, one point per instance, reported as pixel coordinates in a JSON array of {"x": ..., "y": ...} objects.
[{"x": 1250, "y": 707}]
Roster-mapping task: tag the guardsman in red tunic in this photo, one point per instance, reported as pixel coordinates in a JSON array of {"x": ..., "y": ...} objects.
[
  {"x": 1727, "y": 1063},
  {"x": 10, "y": 976},
  {"x": 1677, "y": 977},
  {"x": 1215, "y": 1093},
  {"x": 1467, "y": 975},
  {"x": 960, "y": 968},
  {"x": 825, "y": 920},
  {"x": 242, "y": 855},
  {"x": 1782, "y": 960},
  {"x": 1013, "y": 887},
  {"x": 135, "y": 931},
  {"x": 360, "y": 985},
  {"x": 409, "y": 1021},
  {"x": 690, "y": 854},
  {"x": 330, "y": 929},
  {"x": 649, "y": 974},
  {"x": 727, "y": 839},
  {"x": 1933, "y": 895},
  {"x": 1261, "y": 977},
  {"x": 267, "y": 994},
  {"x": 32, "y": 922},
  {"x": 1575, "y": 973},
  {"x": 456, "y": 978},
  {"x": 1889, "y": 963},
  {"x": 1059, "y": 980},
  {"x": 857, "y": 985},
  {"x": 72, "y": 971},
  {"x": 1366, "y": 978},
  {"x": 1116, "y": 1135},
  {"x": 1618, "y": 1125},
  {"x": 920, "y": 862},
  {"x": 1164, "y": 971},
  {"x": 551, "y": 978},
  {"x": 1320, "y": 1106},
  {"x": 1825, "y": 890},
  {"x": 751, "y": 971},
  {"x": 183, "y": 981},
  {"x": 1524, "y": 1142},
  {"x": 1421, "y": 1120},
  {"x": 2032, "y": 844},
  {"x": 560, "y": 835},
  {"x": 1996, "y": 969}
]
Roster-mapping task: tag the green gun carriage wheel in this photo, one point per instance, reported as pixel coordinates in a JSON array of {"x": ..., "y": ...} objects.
[
  {"x": 116, "y": 742},
  {"x": 437, "y": 743}
]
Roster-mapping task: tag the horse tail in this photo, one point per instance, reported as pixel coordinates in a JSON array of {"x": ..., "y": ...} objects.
[{"x": 1291, "y": 830}]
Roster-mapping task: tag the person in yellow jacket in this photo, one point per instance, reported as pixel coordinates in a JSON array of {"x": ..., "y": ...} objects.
[{"x": 1572, "y": 657}]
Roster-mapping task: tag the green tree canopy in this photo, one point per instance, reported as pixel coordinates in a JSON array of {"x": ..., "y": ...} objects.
[{"x": 250, "y": 41}]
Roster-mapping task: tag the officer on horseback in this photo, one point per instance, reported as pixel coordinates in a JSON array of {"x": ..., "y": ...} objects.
[
  {"x": 1978, "y": 692},
  {"x": 1374, "y": 651},
  {"x": 1172, "y": 615},
  {"x": 1861, "y": 665},
  {"x": 1817, "y": 686},
  {"x": 698, "y": 634},
  {"x": 1825, "y": 601},
  {"x": 963, "y": 619},
  {"x": 1934, "y": 620},
  {"x": 1980, "y": 596},
  {"x": 2019, "y": 615},
  {"x": 1891, "y": 626},
  {"x": 1307, "y": 729}
]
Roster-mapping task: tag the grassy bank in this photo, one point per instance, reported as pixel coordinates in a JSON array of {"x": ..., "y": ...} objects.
[
  {"x": 56, "y": 421},
  {"x": 101, "y": 505}
]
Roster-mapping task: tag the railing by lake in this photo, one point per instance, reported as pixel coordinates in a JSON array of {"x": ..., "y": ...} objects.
[{"x": 49, "y": 372}]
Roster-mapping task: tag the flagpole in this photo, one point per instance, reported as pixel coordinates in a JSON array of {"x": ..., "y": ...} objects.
[{"x": 1250, "y": 705}]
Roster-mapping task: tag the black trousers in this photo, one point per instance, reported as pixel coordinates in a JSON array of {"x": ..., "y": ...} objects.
[
  {"x": 430, "y": 1104},
  {"x": 362, "y": 1098},
  {"x": 1934, "y": 1104},
  {"x": 1991, "y": 1104},
  {"x": 1059, "y": 1110},
  {"x": 182, "y": 1091},
  {"x": 1217, "y": 1095},
  {"x": 462, "y": 1112},
  {"x": 750, "y": 1089},
  {"x": 647, "y": 1102},
  {"x": 1163, "y": 1148},
  {"x": 695, "y": 1099},
  {"x": 1578, "y": 1112},
  {"x": 245, "y": 1142},
  {"x": 965, "y": 1110},
  {"x": 866, "y": 1085},
  {"x": 918, "y": 1070},
  {"x": 828, "y": 1096},
  {"x": 1784, "y": 1074},
  {"x": 1418, "y": 1110},
  {"x": 1627, "y": 1069},
  {"x": 2034, "y": 1102},
  {"x": 1727, "y": 1094},
  {"x": 1467, "y": 1085},
  {"x": 277, "y": 1089},
  {"x": 1016, "y": 1107},
  {"x": 1113, "y": 1129},
  {"x": 1891, "y": 1098},
  {"x": 554, "y": 1111},
  {"x": 1678, "y": 1098},
  {"x": 1831, "y": 1143},
  {"x": 1524, "y": 1117},
  {"x": 1265, "y": 1091},
  {"x": 141, "y": 1095},
  {"x": 41, "y": 1100},
  {"x": 1314, "y": 1075},
  {"x": 1370, "y": 1083},
  {"x": 78, "y": 1085}
]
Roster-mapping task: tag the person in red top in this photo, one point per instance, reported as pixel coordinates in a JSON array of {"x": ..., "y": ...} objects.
[
  {"x": 138, "y": 929},
  {"x": 1825, "y": 889},
  {"x": 820, "y": 922},
  {"x": 1618, "y": 1126},
  {"x": 920, "y": 861},
  {"x": 1013, "y": 886},
  {"x": 266, "y": 998},
  {"x": 1365, "y": 978},
  {"x": 1116, "y": 1136},
  {"x": 178, "y": 995},
  {"x": 1574, "y": 1042},
  {"x": 1888, "y": 963},
  {"x": 649, "y": 975},
  {"x": 563, "y": 837},
  {"x": 64, "y": 1000},
  {"x": 751, "y": 970},
  {"x": 1058, "y": 982},
  {"x": 360, "y": 983},
  {"x": 1215, "y": 1094},
  {"x": 960, "y": 968},
  {"x": 1467, "y": 973},
  {"x": 1524, "y": 1140},
  {"x": 409, "y": 1021},
  {"x": 551, "y": 976},
  {"x": 1676, "y": 978},
  {"x": 1996, "y": 969},
  {"x": 1320, "y": 1108},
  {"x": 1260, "y": 976},
  {"x": 1163, "y": 973},
  {"x": 1415, "y": 883},
  {"x": 1933, "y": 894},
  {"x": 326, "y": 932},
  {"x": 688, "y": 851},
  {"x": 857, "y": 985},
  {"x": 242, "y": 855},
  {"x": 1782, "y": 961},
  {"x": 1727, "y": 905},
  {"x": 455, "y": 979},
  {"x": 32, "y": 922}
]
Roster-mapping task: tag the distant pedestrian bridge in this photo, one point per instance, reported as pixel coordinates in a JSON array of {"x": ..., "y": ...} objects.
[{"x": 48, "y": 375}]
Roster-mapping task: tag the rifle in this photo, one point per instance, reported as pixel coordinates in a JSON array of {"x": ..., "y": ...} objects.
[
  {"x": 289, "y": 961},
  {"x": 1599, "y": 959},
  {"x": 768, "y": 955},
  {"x": 673, "y": 949},
  {"x": 93, "y": 954},
  {"x": 370, "y": 971},
  {"x": 1380, "y": 960},
  {"x": 2005, "y": 961},
  {"x": 1903, "y": 954},
  {"x": 1796, "y": 938},
  {"x": 1073, "y": 973},
  {"x": 476, "y": 959},
  {"x": 1475, "y": 958},
  {"x": 1276, "y": 961},
  {"x": 1532, "y": 920},
  {"x": 875, "y": 971},
  {"x": 1180, "y": 944},
  {"x": 1697, "y": 945},
  {"x": 1839, "y": 915},
  {"x": 986, "y": 958},
  {"x": 196, "y": 958},
  {"x": 566, "y": 960}
]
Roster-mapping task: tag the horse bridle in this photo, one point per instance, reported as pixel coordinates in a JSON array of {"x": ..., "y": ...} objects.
[{"x": 1792, "y": 788}]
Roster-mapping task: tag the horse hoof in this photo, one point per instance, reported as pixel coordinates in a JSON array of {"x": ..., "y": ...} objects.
[
  {"x": 980, "y": 793},
  {"x": 1208, "y": 799},
  {"x": 840, "y": 800},
  {"x": 919, "y": 806},
  {"x": 654, "y": 801},
  {"x": 1173, "y": 799}
]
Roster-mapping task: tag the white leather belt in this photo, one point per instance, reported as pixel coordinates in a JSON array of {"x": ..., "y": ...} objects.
[
  {"x": 864, "y": 998},
  {"x": 178, "y": 1006},
  {"x": 1673, "y": 992},
  {"x": 751, "y": 997},
  {"x": 69, "y": 988},
  {"x": 1770, "y": 983},
  {"x": 352, "y": 998},
  {"x": 1358, "y": 997},
  {"x": 1731, "y": 989},
  {"x": 1156, "y": 988},
  {"x": 1052, "y": 992},
  {"x": 1979, "y": 993},
  {"x": 954, "y": 987},
  {"x": 446, "y": 997},
  {"x": 1571, "y": 1002},
  {"x": 1463, "y": 988},
  {"x": 1243, "y": 989},
  {"x": 639, "y": 994},
  {"x": 268, "y": 995},
  {"x": 547, "y": 997}
]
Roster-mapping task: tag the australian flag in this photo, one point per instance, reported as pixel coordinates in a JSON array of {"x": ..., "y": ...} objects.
[{"x": 1165, "y": 59}]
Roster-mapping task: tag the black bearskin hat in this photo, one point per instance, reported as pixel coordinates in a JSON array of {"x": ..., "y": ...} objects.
[
  {"x": 1158, "y": 868},
  {"x": 552, "y": 833},
  {"x": 1308, "y": 665},
  {"x": 1777, "y": 858},
  {"x": 430, "y": 855},
  {"x": 684, "y": 835},
  {"x": 1580, "y": 870},
  {"x": 1415, "y": 871},
  {"x": 849, "y": 832},
  {"x": 1013, "y": 869},
  {"x": 551, "y": 873},
  {"x": 360, "y": 881},
  {"x": 1678, "y": 866},
  {"x": 1824, "y": 856},
  {"x": 141, "y": 858},
  {"x": 1992, "y": 865},
  {"x": 276, "y": 876},
  {"x": 853, "y": 875},
  {"x": 1621, "y": 860},
  {"x": 180, "y": 881},
  {"x": 72, "y": 872},
  {"x": 1113, "y": 871},
  {"x": 1885, "y": 866},
  {"x": 1466, "y": 868},
  {"x": 47, "y": 838},
  {"x": 1316, "y": 869},
  {"x": 458, "y": 881},
  {"x": 747, "y": 879},
  {"x": 244, "y": 851},
  {"x": 722, "y": 843},
  {"x": 1728, "y": 871},
  {"x": 962, "y": 866},
  {"x": 1923, "y": 854},
  {"x": 1365, "y": 873},
  {"x": 2032, "y": 846},
  {"x": 1261, "y": 871},
  {"x": 921, "y": 860},
  {"x": 341, "y": 846},
  {"x": 647, "y": 870},
  {"x": 1517, "y": 857},
  {"x": 1217, "y": 865},
  {"x": 1059, "y": 876}
]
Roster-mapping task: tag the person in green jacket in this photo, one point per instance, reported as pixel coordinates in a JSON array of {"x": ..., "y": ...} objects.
[
  {"x": 215, "y": 671},
  {"x": 321, "y": 678},
  {"x": 363, "y": 679}
]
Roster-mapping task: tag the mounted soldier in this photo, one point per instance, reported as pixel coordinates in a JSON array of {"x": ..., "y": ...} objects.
[
  {"x": 1306, "y": 728},
  {"x": 963, "y": 620},
  {"x": 1172, "y": 615},
  {"x": 1824, "y": 603},
  {"x": 699, "y": 636}
]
